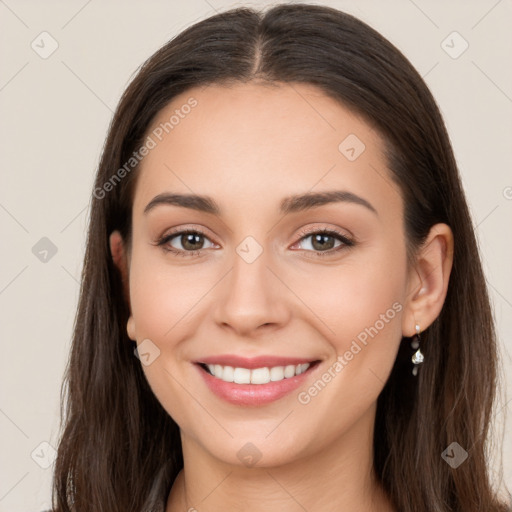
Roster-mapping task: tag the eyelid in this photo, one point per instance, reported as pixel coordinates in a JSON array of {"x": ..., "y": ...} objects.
[
  {"x": 322, "y": 229},
  {"x": 187, "y": 228}
]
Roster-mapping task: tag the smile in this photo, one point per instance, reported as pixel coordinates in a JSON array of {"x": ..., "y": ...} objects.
[{"x": 258, "y": 385}]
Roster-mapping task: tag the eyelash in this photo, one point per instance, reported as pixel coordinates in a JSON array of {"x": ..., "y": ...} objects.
[{"x": 346, "y": 242}]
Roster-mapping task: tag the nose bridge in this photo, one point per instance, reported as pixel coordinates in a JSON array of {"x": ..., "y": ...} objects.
[
  {"x": 250, "y": 298},
  {"x": 250, "y": 270}
]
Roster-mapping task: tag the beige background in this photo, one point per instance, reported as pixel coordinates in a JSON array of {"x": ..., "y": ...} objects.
[{"x": 55, "y": 113}]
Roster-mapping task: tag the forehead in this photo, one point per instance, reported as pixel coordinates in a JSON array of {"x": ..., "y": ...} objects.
[{"x": 251, "y": 142}]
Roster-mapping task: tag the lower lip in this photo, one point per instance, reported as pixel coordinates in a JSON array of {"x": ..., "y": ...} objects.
[{"x": 253, "y": 394}]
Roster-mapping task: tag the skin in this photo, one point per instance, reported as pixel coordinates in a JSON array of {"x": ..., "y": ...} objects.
[{"x": 248, "y": 147}]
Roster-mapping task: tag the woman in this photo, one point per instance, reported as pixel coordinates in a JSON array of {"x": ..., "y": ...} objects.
[{"x": 282, "y": 302}]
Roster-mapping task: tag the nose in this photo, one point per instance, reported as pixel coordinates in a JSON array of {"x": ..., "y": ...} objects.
[{"x": 251, "y": 298}]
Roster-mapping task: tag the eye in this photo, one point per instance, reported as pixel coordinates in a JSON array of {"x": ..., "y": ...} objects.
[
  {"x": 191, "y": 242},
  {"x": 324, "y": 241},
  {"x": 186, "y": 242}
]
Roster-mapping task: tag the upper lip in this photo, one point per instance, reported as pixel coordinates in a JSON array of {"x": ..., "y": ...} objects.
[{"x": 254, "y": 362}]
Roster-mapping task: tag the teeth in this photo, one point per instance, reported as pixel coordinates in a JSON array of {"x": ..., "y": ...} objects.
[
  {"x": 228, "y": 373},
  {"x": 240, "y": 376},
  {"x": 258, "y": 375}
]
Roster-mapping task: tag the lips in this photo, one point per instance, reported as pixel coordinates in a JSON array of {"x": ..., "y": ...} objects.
[{"x": 243, "y": 393}]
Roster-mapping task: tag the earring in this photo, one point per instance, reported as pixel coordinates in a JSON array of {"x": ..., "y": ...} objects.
[{"x": 418, "y": 357}]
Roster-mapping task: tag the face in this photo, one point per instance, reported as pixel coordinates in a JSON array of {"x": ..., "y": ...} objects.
[{"x": 296, "y": 257}]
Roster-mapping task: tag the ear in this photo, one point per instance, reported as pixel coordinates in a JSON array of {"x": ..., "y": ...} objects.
[
  {"x": 118, "y": 252},
  {"x": 120, "y": 258},
  {"x": 428, "y": 280}
]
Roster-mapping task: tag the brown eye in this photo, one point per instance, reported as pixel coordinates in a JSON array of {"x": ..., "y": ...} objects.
[
  {"x": 324, "y": 241},
  {"x": 186, "y": 242},
  {"x": 321, "y": 242},
  {"x": 191, "y": 241}
]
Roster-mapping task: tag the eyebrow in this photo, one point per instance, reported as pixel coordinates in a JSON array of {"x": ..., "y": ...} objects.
[{"x": 292, "y": 204}]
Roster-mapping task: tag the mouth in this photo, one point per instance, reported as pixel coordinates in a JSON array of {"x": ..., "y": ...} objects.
[
  {"x": 257, "y": 376},
  {"x": 251, "y": 383}
]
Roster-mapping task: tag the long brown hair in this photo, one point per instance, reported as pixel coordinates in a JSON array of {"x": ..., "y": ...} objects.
[{"x": 117, "y": 441}]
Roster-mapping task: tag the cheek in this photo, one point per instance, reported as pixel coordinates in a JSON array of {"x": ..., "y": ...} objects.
[
  {"x": 358, "y": 308},
  {"x": 163, "y": 298},
  {"x": 162, "y": 304},
  {"x": 356, "y": 294},
  {"x": 150, "y": 303},
  {"x": 369, "y": 306}
]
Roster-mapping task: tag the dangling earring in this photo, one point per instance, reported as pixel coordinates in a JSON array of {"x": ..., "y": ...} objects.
[{"x": 418, "y": 357}]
